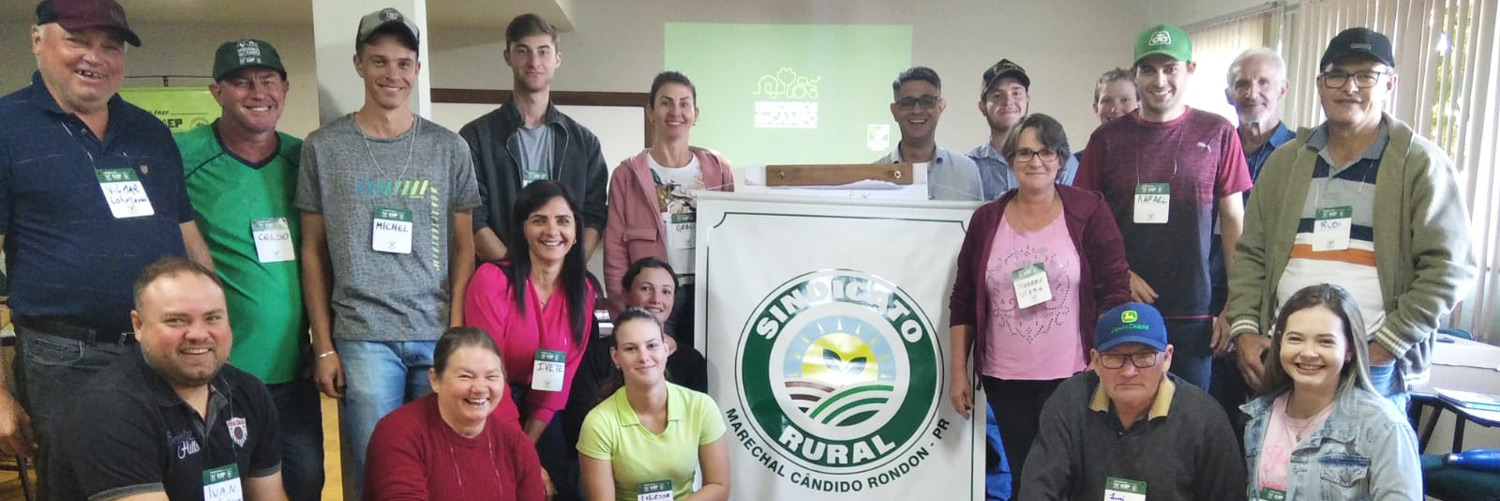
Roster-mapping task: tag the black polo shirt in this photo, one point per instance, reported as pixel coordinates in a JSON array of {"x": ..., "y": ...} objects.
[{"x": 129, "y": 433}]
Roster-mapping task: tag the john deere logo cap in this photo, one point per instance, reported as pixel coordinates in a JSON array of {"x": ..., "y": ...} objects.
[{"x": 1128, "y": 316}]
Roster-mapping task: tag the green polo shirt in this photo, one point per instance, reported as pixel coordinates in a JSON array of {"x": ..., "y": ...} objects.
[{"x": 612, "y": 432}]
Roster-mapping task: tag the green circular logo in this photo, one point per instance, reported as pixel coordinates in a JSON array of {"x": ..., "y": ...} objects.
[{"x": 839, "y": 370}]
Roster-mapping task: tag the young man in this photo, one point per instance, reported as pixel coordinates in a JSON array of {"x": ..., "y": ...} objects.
[
  {"x": 1115, "y": 96},
  {"x": 918, "y": 105},
  {"x": 1127, "y": 427},
  {"x": 387, "y": 242},
  {"x": 1165, "y": 170},
  {"x": 242, "y": 176},
  {"x": 527, "y": 139},
  {"x": 1362, "y": 202},
  {"x": 1004, "y": 98},
  {"x": 179, "y": 421}
]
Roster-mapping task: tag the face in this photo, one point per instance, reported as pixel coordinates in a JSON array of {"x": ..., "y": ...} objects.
[
  {"x": 532, "y": 60},
  {"x": 917, "y": 120},
  {"x": 1257, "y": 91},
  {"x": 183, "y": 328},
  {"x": 653, "y": 290},
  {"x": 82, "y": 69},
  {"x": 674, "y": 111},
  {"x": 1116, "y": 99},
  {"x": 1163, "y": 83},
  {"x": 1313, "y": 348},
  {"x": 389, "y": 70},
  {"x": 550, "y": 231},
  {"x": 1004, "y": 104},
  {"x": 640, "y": 352},
  {"x": 1035, "y": 172},
  {"x": 1131, "y": 385},
  {"x": 1349, "y": 105},
  {"x": 470, "y": 386},
  {"x": 251, "y": 98}
]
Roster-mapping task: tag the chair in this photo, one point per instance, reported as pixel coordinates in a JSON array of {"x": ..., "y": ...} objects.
[{"x": 1415, "y": 412}]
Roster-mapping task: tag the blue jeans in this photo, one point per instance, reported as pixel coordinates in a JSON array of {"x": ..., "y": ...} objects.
[
  {"x": 1387, "y": 380},
  {"x": 50, "y": 370},
  {"x": 380, "y": 377},
  {"x": 1192, "y": 350},
  {"x": 301, "y": 415}
]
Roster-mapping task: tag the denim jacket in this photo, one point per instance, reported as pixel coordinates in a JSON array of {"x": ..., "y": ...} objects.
[{"x": 1365, "y": 450}]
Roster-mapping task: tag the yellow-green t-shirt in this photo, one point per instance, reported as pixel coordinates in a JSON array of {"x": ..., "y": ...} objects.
[{"x": 612, "y": 432}]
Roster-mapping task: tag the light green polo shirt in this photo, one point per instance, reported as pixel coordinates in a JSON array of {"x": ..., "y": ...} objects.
[{"x": 612, "y": 432}]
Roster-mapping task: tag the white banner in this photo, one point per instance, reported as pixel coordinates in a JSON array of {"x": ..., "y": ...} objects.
[{"x": 825, "y": 325}]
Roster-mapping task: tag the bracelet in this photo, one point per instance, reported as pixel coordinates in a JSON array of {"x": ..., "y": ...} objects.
[{"x": 326, "y": 354}]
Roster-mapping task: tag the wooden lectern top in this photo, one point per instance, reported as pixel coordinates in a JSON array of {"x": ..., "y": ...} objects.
[{"x": 836, "y": 175}]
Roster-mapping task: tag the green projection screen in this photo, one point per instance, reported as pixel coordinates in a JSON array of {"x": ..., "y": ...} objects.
[{"x": 791, "y": 94}]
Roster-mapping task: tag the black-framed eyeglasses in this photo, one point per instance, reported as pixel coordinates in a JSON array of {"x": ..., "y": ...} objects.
[
  {"x": 928, "y": 102},
  {"x": 1363, "y": 79},
  {"x": 1143, "y": 360},
  {"x": 1026, "y": 154}
]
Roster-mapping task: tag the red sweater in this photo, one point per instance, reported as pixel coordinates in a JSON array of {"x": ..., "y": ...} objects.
[
  {"x": 414, "y": 455},
  {"x": 1103, "y": 278}
]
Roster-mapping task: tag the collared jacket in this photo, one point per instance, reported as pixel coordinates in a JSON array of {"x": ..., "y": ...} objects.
[
  {"x": 1365, "y": 450},
  {"x": 1422, "y": 249},
  {"x": 577, "y": 164}
]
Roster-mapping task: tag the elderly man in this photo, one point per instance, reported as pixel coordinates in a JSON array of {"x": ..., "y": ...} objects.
[
  {"x": 92, "y": 193},
  {"x": 242, "y": 176},
  {"x": 1128, "y": 430},
  {"x": 172, "y": 420},
  {"x": 918, "y": 105},
  {"x": 1362, "y": 202},
  {"x": 1004, "y": 98}
]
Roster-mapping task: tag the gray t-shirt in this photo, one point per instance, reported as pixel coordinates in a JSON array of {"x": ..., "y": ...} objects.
[
  {"x": 536, "y": 153},
  {"x": 386, "y": 296}
]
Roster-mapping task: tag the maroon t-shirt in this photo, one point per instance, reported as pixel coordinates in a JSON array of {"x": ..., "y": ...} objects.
[{"x": 1199, "y": 156}]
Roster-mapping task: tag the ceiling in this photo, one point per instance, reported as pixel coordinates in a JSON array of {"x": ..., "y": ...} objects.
[{"x": 457, "y": 13}]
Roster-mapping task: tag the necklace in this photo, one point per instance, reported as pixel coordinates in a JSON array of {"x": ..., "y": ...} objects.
[{"x": 410, "y": 148}]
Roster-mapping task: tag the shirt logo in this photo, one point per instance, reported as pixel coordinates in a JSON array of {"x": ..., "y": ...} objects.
[
  {"x": 1205, "y": 147},
  {"x": 185, "y": 443},
  {"x": 238, "y": 431},
  {"x": 1160, "y": 38}
]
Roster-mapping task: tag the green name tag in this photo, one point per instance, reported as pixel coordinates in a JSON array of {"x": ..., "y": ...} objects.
[
  {"x": 1030, "y": 284},
  {"x": 124, "y": 193},
  {"x": 1269, "y": 494},
  {"x": 223, "y": 484},
  {"x": 1336, "y": 212},
  {"x": 528, "y": 176},
  {"x": 392, "y": 231},
  {"x": 660, "y": 490},
  {"x": 1152, "y": 203},
  {"x": 547, "y": 370},
  {"x": 1124, "y": 489},
  {"x": 1331, "y": 228}
]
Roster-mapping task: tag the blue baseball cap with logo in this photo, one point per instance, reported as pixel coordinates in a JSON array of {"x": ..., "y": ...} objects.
[{"x": 1131, "y": 323}]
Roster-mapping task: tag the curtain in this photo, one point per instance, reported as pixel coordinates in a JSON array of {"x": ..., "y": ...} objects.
[{"x": 1215, "y": 45}]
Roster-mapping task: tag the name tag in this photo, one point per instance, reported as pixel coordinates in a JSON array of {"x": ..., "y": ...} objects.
[
  {"x": 1269, "y": 494},
  {"x": 1031, "y": 285},
  {"x": 660, "y": 490},
  {"x": 1152, "y": 203},
  {"x": 1331, "y": 228},
  {"x": 273, "y": 240},
  {"x": 1124, "y": 489},
  {"x": 683, "y": 229},
  {"x": 547, "y": 370},
  {"x": 530, "y": 176},
  {"x": 392, "y": 231},
  {"x": 124, "y": 193},
  {"x": 223, "y": 484}
]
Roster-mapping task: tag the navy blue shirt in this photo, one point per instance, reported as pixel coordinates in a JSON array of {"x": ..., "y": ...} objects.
[
  {"x": 65, "y": 252},
  {"x": 1255, "y": 159}
]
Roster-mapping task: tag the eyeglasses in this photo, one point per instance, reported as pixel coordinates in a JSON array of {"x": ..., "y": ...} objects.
[
  {"x": 1026, "y": 155},
  {"x": 907, "y": 103},
  {"x": 1363, "y": 79},
  {"x": 1144, "y": 360}
]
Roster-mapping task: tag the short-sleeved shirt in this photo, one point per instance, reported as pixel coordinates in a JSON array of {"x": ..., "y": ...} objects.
[
  {"x": 231, "y": 195},
  {"x": 1198, "y": 155},
  {"x": 425, "y": 172},
  {"x": 129, "y": 433},
  {"x": 1041, "y": 341},
  {"x": 612, "y": 432},
  {"x": 949, "y": 176},
  {"x": 66, "y": 253}
]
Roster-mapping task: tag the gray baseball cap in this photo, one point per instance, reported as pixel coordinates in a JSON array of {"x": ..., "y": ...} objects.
[{"x": 385, "y": 17}]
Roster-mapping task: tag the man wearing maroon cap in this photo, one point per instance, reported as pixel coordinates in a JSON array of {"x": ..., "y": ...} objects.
[{"x": 91, "y": 191}]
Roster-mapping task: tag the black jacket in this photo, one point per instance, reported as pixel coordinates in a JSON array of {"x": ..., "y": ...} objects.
[{"x": 579, "y": 166}]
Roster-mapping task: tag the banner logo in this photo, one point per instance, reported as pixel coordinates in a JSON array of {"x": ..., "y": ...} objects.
[{"x": 787, "y": 101}]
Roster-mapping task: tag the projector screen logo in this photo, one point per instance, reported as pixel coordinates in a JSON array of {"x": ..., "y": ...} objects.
[
  {"x": 839, "y": 371},
  {"x": 786, "y": 101}
]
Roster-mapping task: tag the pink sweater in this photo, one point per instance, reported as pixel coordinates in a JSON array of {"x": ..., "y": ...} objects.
[
  {"x": 489, "y": 305},
  {"x": 634, "y": 229},
  {"x": 415, "y": 456}
]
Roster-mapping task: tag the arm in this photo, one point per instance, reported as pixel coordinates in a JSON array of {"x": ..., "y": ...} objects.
[
  {"x": 267, "y": 488},
  {"x": 962, "y": 310},
  {"x": 1106, "y": 254},
  {"x": 591, "y": 238},
  {"x": 197, "y": 247},
  {"x": 486, "y": 243},
  {"x": 317, "y": 280},
  {"x": 393, "y": 463},
  {"x": 1231, "y": 220},
  {"x": 546, "y": 404},
  {"x": 528, "y": 467},
  {"x": 962, "y": 394},
  {"x": 1247, "y": 273},
  {"x": 460, "y": 265},
  {"x": 594, "y": 209},
  {"x": 1395, "y": 464},
  {"x": 713, "y": 458},
  {"x": 616, "y": 255},
  {"x": 15, "y": 425},
  {"x": 598, "y": 478}
]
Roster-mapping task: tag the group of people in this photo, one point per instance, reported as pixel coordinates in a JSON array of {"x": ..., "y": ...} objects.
[{"x": 469, "y": 365}]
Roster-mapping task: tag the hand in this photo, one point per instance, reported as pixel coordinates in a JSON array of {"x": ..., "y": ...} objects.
[
  {"x": 1250, "y": 346},
  {"x": 329, "y": 374},
  {"x": 962, "y": 396},
  {"x": 1220, "y": 341},
  {"x": 547, "y": 482},
  {"x": 1140, "y": 290},
  {"x": 1379, "y": 355},
  {"x": 15, "y": 427}
]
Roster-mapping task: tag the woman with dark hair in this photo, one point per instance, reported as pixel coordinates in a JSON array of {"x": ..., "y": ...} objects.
[
  {"x": 651, "y": 208},
  {"x": 650, "y": 435},
  {"x": 651, "y": 284},
  {"x": 1319, "y": 430},
  {"x": 538, "y": 307},
  {"x": 1043, "y": 262},
  {"x": 451, "y": 444}
]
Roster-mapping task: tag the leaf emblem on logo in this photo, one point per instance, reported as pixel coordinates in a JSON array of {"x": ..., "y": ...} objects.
[{"x": 836, "y": 363}]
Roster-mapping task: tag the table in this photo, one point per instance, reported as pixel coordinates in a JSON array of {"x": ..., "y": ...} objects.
[{"x": 1455, "y": 377}]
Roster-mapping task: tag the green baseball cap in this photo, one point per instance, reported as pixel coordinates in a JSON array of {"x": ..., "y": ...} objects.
[
  {"x": 245, "y": 53},
  {"x": 1165, "y": 39}
]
